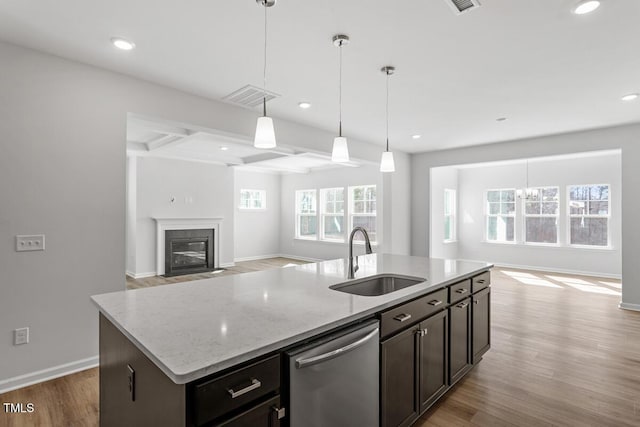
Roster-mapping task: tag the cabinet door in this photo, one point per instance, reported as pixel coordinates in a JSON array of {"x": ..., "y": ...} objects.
[
  {"x": 263, "y": 415},
  {"x": 481, "y": 327},
  {"x": 433, "y": 358},
  {"x": 459, "y": 351},
  {"x": 399, "y": 386}
]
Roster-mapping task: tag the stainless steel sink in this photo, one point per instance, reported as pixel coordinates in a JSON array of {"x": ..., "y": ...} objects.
[{"x": 377, "y": 285}]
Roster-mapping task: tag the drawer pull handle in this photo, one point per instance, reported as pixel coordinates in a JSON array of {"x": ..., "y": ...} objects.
[
  {"x": 480, "y": 280},
  {"x": 254, "y": 385},
  {"x": 402, "y": 317},
  {"x": 422, "y": 332},
  {"x": 435, "y": 302},
  {"x": 462, "y": 305},
  {"x": 475, "y": 301},
  {"x": 461, "y": 291}
]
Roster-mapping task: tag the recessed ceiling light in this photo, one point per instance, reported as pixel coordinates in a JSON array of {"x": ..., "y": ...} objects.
[
  {"x": 123, "y": 44},
  {"x": 416, "y": 136},
  {"x": 630, "y": 97},
  {"x": 586, "y": 6},
  {"x": 501, "y": 119},
  {"x": 224, "y": 148},
  {"x": 304, "y": 105}
]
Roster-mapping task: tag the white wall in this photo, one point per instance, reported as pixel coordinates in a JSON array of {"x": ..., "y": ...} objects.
[
  {"x": 257, "y": 232},
  {"x": 441, "y": 179},
  {"x": 626, "y": 138},
  {"x": 200, "y": 190},
  {"x": 473, "y": 182},
  {"x": 62, "y": 173}
]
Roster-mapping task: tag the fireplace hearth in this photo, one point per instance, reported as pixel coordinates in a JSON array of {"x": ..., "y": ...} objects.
[{"x": 189, "y": 251}]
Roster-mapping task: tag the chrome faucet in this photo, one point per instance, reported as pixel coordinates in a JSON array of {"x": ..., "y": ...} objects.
[{"x": 367, "y": 247}]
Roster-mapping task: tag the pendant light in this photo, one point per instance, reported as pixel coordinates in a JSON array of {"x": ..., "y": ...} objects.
[
  {"x": 265, "y": 134},
  {"x": 386, "y": 162},
  {"x": 340, "y": 152},
  {"x": 528, "y": 193}
]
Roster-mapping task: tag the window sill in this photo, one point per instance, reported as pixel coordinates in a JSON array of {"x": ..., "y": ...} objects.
[
  {"x": 495, "y": 242},
  {"x": 335, "y": 242},
  {"x": 252, "y": 209},
  {"x": 449, "y": 241}
]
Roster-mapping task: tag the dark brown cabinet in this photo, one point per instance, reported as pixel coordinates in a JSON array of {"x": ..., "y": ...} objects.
[
  {"x": 459, "y": 339},
  {"x": 481, "y": 326},
  {"x": 432, "y": 342},
  {"x": 399, "y": 382},
  {"x": 263, "y": 415}
]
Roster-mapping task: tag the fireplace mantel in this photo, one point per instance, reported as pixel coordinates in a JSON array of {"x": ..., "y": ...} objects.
[{"x": 164, "y": 224}]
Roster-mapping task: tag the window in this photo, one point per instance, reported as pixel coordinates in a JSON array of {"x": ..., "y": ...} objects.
[
  {"x": 253, "y": 199},
  {"x": 306, "y": 218},
  {"x": 449, "y": 215},
  {"x": 541, "y": 215},
  {"x": 501, "y": 211},
  {"x": 362, "y": 212},
  {"x": 332, "y": 214},
  {"x": 589, "y": 215}
]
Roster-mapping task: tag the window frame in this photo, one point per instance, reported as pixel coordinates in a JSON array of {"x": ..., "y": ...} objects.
[
  {"x": 322, "y": 214},
  {"x": 263, "y": 200},
  {"x": 570, "y": 216},
  {"x": 299, "y": 214},
  {"x": 351, "y": 214},
  {"x": 488, "y": 214},
  {"x": 525, "y": 215},
  {"x": 452, "y": 215}
]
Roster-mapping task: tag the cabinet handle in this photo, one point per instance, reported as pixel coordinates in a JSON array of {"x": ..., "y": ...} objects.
[
  {"x": 435, "y": 302},
  {"x": 422, "y": 332},
  {"x": 475, "y": 301},
  {"x": 462, "y": 305},
  {"x": 402, "y": 317},
  {"x": 280, "y": 413},
  {"x": 480, "y": 280},
  {"x": 461, "y": 291},
  {"x": 254, "y": 385}
]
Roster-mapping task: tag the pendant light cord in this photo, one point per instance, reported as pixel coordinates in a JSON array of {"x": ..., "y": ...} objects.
[
  {"x": 340, "y": 92},
  {"x": 387, "y": 110},
  {"x": 264, "y": 70}
]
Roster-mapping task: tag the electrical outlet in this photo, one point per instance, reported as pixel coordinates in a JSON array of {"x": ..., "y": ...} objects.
[
  {"x": 32, "y": 242},
  {"x": 21, "y": 336}
]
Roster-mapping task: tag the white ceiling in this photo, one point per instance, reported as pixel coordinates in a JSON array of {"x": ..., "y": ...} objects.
[
  {"x": 156, "y": 138},
  {"x": 534, "y": 62}
]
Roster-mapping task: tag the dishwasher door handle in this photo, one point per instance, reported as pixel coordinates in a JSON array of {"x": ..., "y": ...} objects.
[{"x": 303, "y": 363}]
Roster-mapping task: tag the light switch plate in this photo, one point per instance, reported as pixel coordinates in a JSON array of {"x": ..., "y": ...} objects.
[
  {"x": 21, "y": 336},
  {"x": 31, "y": 242}
]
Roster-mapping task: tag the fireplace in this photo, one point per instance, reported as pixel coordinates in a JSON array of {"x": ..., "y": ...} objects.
[{"x": 188, "y": 251}]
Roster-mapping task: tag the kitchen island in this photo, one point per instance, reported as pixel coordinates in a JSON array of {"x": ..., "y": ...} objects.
[{"x": 187, "y": 334}]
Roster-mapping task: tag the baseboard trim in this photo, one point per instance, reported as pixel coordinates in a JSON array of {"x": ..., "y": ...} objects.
[
  {"x": 142, "y": 275},
  {"x": 227, "y": 264},
  {"x": 560, "y": 270},
  {"x": 47, "y": 374},
  {"x": 257, "y": 257},
  {"x": 301, "y": 258},
  {"x": 629, "y": 306}
]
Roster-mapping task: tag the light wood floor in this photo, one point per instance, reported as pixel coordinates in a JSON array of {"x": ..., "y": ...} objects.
[
  {"x": 562, "y": 354},
  {"x": 240, "y": 267}
]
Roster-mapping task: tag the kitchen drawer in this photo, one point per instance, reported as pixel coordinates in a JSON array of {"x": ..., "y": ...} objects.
[
  {"x": 480, "y": 282},
  {"x": 219, "y": 396},
  {"x": 459, "y": 291},
  {"x": 413, "y": 311}
]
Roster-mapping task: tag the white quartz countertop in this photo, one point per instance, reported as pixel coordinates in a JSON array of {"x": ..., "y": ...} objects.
[{"x": 193, "y": 329}]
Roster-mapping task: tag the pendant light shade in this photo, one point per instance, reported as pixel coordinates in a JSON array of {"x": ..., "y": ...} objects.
[
  {"x": 265, "y": 136},
  {"x": 340, "y": 153},
  {"x": 386, "y": 162}
]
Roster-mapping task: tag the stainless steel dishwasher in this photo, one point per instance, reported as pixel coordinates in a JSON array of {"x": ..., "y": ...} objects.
[{"x": 334, "y": 382}]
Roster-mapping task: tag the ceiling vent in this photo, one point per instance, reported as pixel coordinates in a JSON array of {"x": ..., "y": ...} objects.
[
  {"x": 462, "y": 6},
  {"x": 249, "y": 96}
]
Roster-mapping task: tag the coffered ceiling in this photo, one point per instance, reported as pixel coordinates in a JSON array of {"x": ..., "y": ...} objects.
[{"x": 543, "y": 68}]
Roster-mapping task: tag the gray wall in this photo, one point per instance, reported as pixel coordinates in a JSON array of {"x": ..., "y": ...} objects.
[
  {"x": 626, "y": 138},
  {"x": 257, "y": 233},
  {"x": 62, "y": 173}
]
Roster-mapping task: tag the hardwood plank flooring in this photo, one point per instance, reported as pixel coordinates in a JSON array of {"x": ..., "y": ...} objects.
[
  {"x": 240, "y": 267},
  {"x": 562, "y": 354}
]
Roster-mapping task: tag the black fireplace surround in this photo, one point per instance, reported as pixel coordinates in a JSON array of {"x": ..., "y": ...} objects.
[{"x": 188, "y": 251}]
